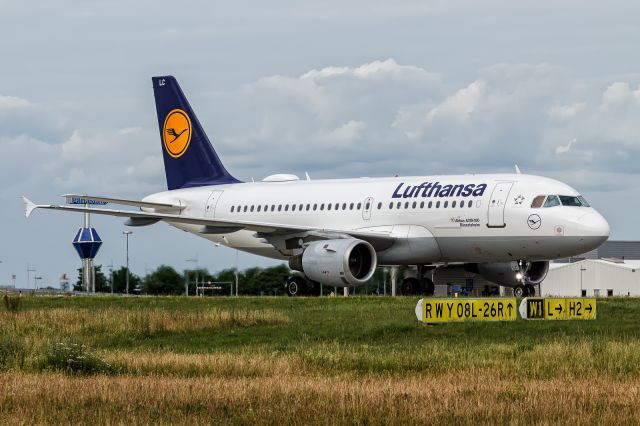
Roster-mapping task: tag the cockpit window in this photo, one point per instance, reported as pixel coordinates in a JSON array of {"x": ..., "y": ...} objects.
[
  {"x": 552, "y": 201},
  {"x": 583, "y": 201},
  {"x": 570, "y": 201},
  {"x": 537, "y": 202}
]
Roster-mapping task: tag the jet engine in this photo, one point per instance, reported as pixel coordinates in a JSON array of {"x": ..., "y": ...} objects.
[
  {"x": 511, "y": 274},
  {"x": 341, "y": 262}
]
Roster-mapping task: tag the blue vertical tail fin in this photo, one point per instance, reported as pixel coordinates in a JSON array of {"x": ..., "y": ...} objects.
[{"x": 189, "y": 157}]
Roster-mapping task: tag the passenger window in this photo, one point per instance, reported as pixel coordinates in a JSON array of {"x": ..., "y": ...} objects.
[
  {"x": 279, "y": 207},
  {"x": 391, "y": 206},
  {"x": 308, "y": 207},
  {"x": 406, "y": 205},
  {"x": 552, "y": 201},
  {"x": 379, "y": 205},
  {"x": 437, "y": 204},
  {"x": 453, "y": 205},
  {"x": 245, "y": 209},
  {"x": 344, "y": 206},
  {"x": 446, "y": 203},
  {"x": 329, "y": 206},
  {"x": 367, "y": 206},
  {"x": 251, "y": 208},
  {"x": 232, "y": 207},
  {"x": 293, "y": 207},
  {"x": 351, "y": 206},
  {"x": 537, "y": 202},
  {"x": 398, "y": 205},
  {"x": 470, "y": 203},
  {"x": 359, "y": 206},
  {"x": 259, "y": 208},
  {"x": 273, "y": 207},
  {"x": 430, "y": 204},
  {"x": 415, "y": 204},
  {"x": 322, "y": 206},
  {"x": 315, "y": 207}
]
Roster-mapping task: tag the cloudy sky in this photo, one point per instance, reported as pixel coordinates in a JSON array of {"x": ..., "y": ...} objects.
[{"x": 334, "y": 88}]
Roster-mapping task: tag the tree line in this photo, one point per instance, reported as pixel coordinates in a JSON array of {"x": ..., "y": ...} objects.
[{"x": 165, "y": 280}]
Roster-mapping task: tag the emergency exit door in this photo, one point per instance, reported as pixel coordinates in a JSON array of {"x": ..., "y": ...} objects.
[
  {"x": 497, "y": 203},
  {"x": 210, "y": 208}
]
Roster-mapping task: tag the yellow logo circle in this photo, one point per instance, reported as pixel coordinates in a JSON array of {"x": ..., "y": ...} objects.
[{"x": 176, "y": 132}]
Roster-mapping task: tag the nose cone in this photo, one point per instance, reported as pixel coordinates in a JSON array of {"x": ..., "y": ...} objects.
[{"x": 594, "y": 227}]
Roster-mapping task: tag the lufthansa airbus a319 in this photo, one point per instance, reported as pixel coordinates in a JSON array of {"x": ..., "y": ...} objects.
[{"x": 505, "y": 227}]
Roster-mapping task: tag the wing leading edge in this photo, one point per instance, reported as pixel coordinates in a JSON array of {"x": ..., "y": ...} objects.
[{"x": 209, "y": 226}]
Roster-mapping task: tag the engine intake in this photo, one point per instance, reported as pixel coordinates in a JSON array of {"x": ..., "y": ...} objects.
[{"x": 343, "y": 262}]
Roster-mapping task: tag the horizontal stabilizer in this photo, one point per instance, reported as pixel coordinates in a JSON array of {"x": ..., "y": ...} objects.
[{"x": 101, "y": 201}]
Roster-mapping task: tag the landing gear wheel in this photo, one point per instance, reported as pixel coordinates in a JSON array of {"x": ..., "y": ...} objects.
[
  {"x": 429, "y": 287},
  {"x": 410, "y": 287},
  {"x": 519, "y": 291},
  {"x": 531, "y": 290},
  {"x": 296, "y": 286}
]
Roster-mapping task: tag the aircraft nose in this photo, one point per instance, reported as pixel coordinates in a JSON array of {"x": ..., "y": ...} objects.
[{"x": 594, "y": 225}]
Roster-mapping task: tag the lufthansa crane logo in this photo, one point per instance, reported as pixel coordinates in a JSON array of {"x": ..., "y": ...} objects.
[{"x": 176, "y": 133}]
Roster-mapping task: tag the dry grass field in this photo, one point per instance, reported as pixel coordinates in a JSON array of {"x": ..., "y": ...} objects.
[{"x": 77, "y": 360}]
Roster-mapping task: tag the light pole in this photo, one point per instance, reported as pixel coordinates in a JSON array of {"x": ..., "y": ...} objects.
[
  {"x": 28, "y": 271},
  {"x": 111, "y": 275},
  {"x": 35, "y": 281},
  {"x": 186, "y": 283},
  {"x": 126, "y": 234},
  {"x": 236, "y": 269}
]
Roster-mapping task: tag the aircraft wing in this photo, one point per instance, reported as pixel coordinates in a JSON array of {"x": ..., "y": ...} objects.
[
  {"x": 94, "y": 200},
  {"x": 267, "y": 230}
]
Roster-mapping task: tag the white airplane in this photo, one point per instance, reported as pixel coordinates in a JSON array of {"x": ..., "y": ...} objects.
[{"x": 505, "y": 227}]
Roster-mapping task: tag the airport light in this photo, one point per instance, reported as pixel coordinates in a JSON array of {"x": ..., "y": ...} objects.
[{"x": 126, "y": 234}]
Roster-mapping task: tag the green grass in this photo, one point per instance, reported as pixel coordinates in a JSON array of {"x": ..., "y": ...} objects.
[
  {"x": 291, "y": 358},
  {"x": 358, "y": 335}
]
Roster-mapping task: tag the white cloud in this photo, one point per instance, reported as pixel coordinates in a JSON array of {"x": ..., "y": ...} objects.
[
  {"x": 563, "y": 149},
  {"x": 12, "y": 102}
]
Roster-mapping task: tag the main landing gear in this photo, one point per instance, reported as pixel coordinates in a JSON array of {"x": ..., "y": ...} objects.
[
  {"x": 299, "y": 286},
  {"x": 418, "y": 286}
]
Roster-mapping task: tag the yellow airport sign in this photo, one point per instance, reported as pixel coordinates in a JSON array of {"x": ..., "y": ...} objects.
[
  {"x": 558, "y": 308},
  {"x": 448, "y": 310}
]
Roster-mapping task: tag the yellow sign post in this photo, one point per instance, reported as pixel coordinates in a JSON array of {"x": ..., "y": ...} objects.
[
  {"x": 552, "y": 308},
  {"x": 447, "y": 310}
]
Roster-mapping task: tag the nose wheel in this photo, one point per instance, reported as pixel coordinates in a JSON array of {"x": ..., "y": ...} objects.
[{"x": 525, "y": 290}]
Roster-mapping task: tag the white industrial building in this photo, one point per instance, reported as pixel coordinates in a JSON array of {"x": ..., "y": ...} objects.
[{"x": 593, "y": 278}]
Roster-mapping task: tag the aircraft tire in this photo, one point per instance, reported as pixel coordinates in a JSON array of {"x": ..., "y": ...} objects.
[
  {"x": 410, "y": 287},
  {"x": 520, "y": 291},
  {"x": 296, "y": 286},
  {"x": 429, "y": 287}
]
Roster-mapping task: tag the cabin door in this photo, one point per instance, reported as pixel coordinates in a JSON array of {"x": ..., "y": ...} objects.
[{"x": 497, "y": 203}]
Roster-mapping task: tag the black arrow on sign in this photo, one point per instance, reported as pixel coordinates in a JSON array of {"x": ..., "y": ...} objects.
[
  {"x": 588, "y": 308},
  {"x": 559, "y": 309},
  {"x": 509, "y": 307}
]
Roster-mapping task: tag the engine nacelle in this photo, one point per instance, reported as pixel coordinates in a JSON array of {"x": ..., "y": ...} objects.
[
  {"x": 343, "y": 262},
  {"x": 511, "y": 274}
]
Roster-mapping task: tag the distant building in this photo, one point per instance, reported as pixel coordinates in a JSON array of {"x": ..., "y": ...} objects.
[{"x": 593, "y": 278}]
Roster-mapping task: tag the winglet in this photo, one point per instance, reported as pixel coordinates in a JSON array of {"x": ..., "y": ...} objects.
[
  {"x": 518, "y": 170},
  {"x": 29, "y": 206}
]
